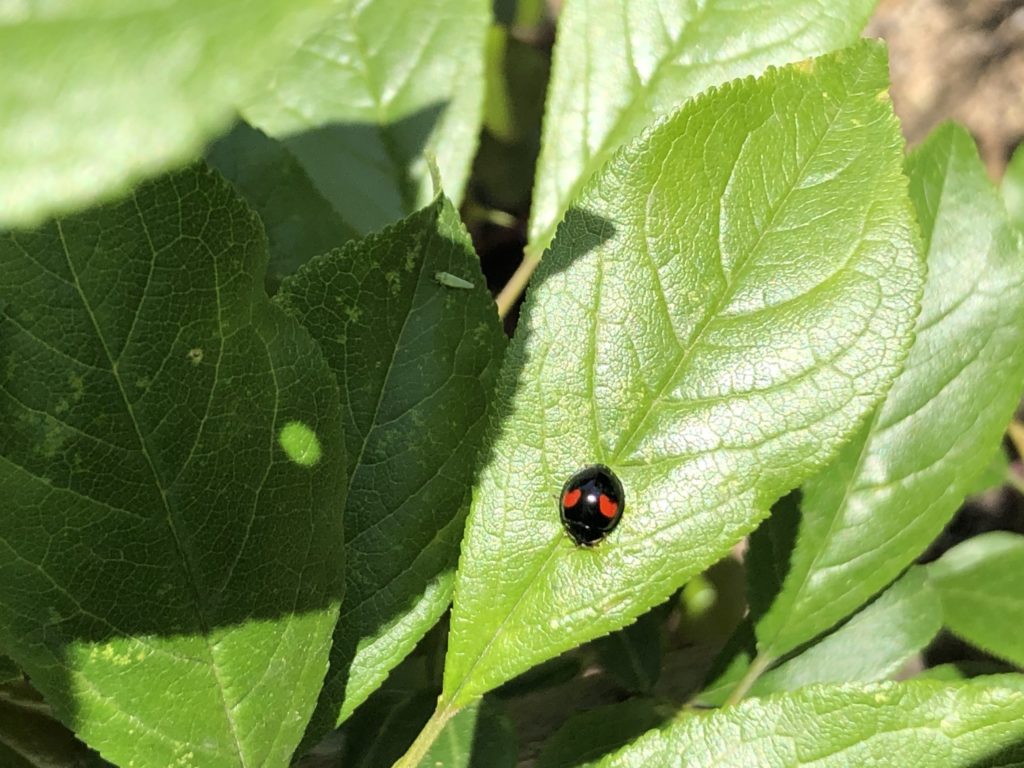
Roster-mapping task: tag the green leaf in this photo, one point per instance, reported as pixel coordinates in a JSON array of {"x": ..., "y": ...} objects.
[
  {"x": 548, "y": 674},
  {"x": 992, "y": 476},
  {"x": 300, "y": 223},
  {"x": 9, "y": 671},
  {"x": 479, "y": 736},
  {"x": 919, "y": 723},
  {"x": 169, "y": 577},
  {"x": 873, "y": 645},
  {"x": 31, "y": 738},
  {"x": 723, "y": 304},
  {"x": 620, "y": 66},
  {"x": 379, "y": 85},
  {"x": 381, "y": 730},
  {"x": 416, "y": 362},
  {"x": 97, "y": 95},
  {"x": 633, "y": 654},
  {"x": 979, "y": 583},
  {"x": 1013, "y": 187},
  {"x": 898, "y": 482},
  {"x": 588, "y": 736}
]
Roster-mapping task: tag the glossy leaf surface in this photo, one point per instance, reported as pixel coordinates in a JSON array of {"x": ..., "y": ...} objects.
[
  {"x": 924, "y": 724},
  {"x": 899, "y": 481},
  {"x": 721, "y": 307},
  {"x": 620, "y": 66},
  {"x": 380, "y": 84}
]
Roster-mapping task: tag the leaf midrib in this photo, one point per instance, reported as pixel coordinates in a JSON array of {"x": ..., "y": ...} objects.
[
  {"x": 197, "y": 603},
  {"x": 632, "y": 430}
]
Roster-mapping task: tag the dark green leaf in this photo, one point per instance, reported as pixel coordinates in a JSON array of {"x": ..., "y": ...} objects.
[
  {"x": 725, "y": 302},
  {"x": 173, "y": 474},
  {"x": 31, "y": 738},
  {"x": 9, "y": 671},
  {"x": 588, "y": 736},
  {"x": 300, "y": 223},
  {"x": 898, "y": 482},
  {"x": 980, "y": 671},
  {"x": 416, "y": 362},
  {"x": 633, "y": 654},
  {"x": 979, "y": 583},
  {"x": 384, "y": 728},
  {"x": 479, "y": 736},
  {"x": 552, "y": 672}
]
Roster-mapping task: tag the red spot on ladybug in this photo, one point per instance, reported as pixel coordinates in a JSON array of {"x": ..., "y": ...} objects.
[
  {"x": 592, "y": 504},
  {"x": 606, "y": 506}
]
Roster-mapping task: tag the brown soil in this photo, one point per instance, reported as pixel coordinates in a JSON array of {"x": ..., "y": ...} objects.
[{"x": 961, "y": 60}]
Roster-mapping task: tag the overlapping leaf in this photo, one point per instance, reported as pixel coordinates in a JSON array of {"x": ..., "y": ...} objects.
[
  {"x": 873, "y": 645},
  {"x": 95, "y": 95},
  {"x": 480, "y": 736},
  {"x": 618, "y": 66},
  {"x": 920, "y": 723},
  {"x": 31, "y": 738},
  {"x": 173, "y": 475},
  {"x": 979, "y": 584},
  {"x": 416, "y": 362},
  {"x": 894, "y": 487},
  {"x": 588, "y": 736},
  {"x": 383, "y": 82},
  {"x": 721, "y": 306},
  {"x": 300, "y": 223}
]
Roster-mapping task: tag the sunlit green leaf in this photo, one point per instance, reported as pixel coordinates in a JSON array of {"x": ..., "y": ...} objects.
[
  {"x": 619, "y": 66},
  {"x": 1013, "y": 188},
  {"x": 96, "y": 95},
  {"x": 979, "y": 583},
  {"x": 898, "y": 482},
  {"x": 721, "y": 307},
  {"x": 920, "y": 723},
  {"x": 380, "y": 84},
  {"x": 872, "y": 645}
]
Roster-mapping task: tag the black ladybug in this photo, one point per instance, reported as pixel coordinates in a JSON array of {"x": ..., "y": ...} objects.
[{"x": 591, "y": 504}]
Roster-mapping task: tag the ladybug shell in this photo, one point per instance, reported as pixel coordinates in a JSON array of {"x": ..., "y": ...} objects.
[{"x": 591, "y": 504}]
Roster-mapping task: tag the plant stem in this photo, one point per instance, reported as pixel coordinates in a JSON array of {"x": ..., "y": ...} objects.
[
  {"x": 516, "y": 285},
  {"x": 755, "y": 670},
  {"x": 418, "y": 749}
]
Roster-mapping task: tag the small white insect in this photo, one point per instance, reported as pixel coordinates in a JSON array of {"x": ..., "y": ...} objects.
[{"x": 452, "y": 281}]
